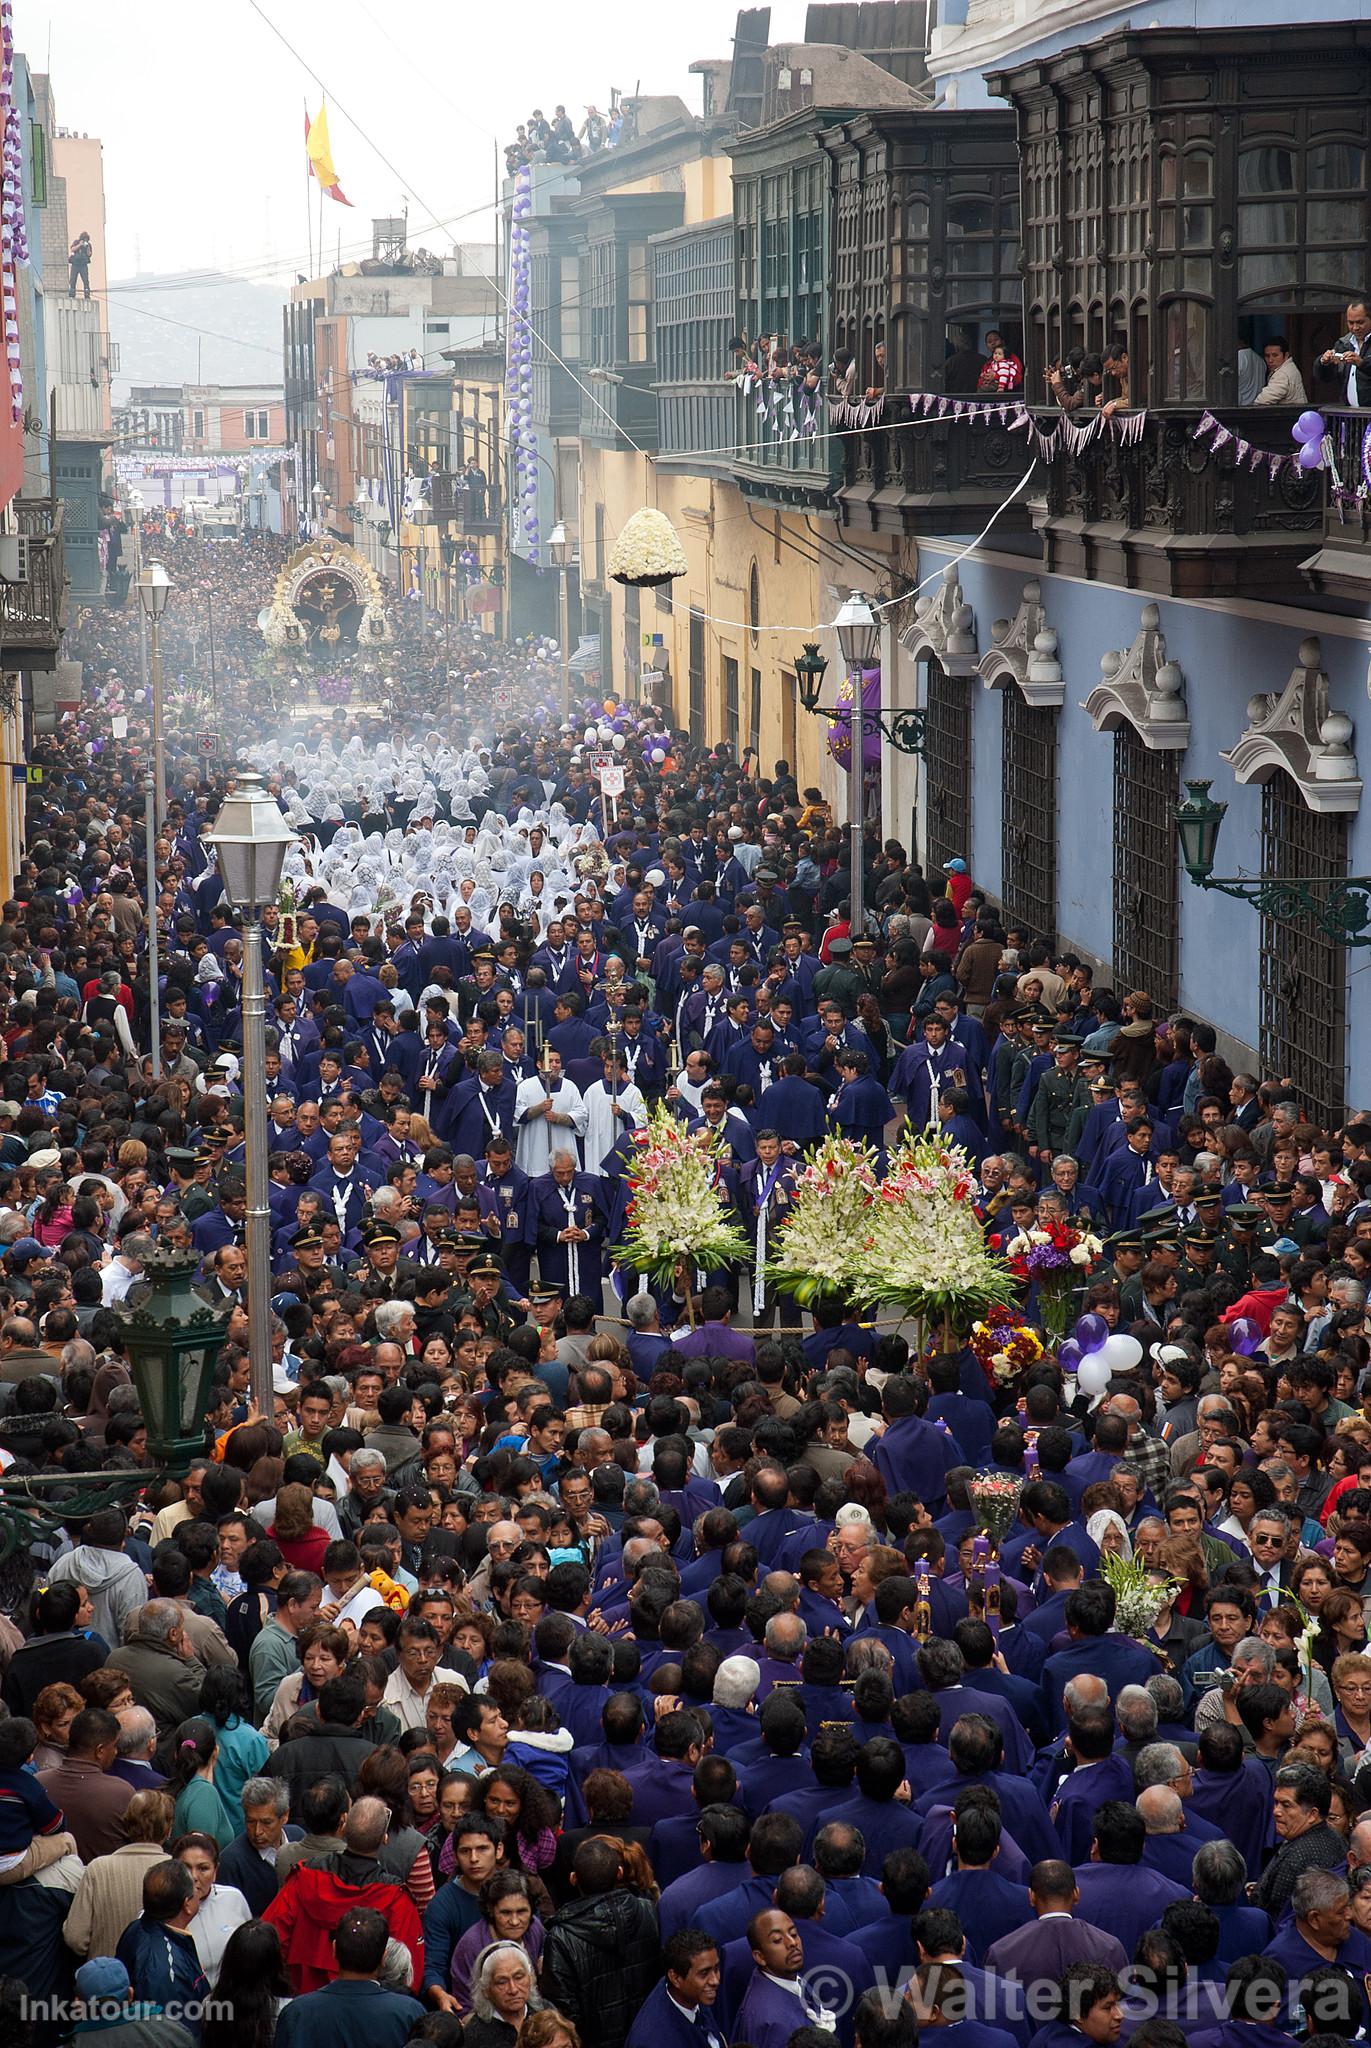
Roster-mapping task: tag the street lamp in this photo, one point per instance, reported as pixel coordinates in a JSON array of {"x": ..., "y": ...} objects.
[
  {"x": 810, "y": 670},
  {"x": 249, "y": 839},
  {"x": 172, "y": 1338},
  {"x": 1338, "y": 907},
  {"x": 559, "y": 549},
  {"x": 154, "y": 594},
  {"x": 859, "y": 638}
]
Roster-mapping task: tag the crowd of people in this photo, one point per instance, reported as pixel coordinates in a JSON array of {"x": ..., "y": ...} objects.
[
  {"x": 559, "y": 1661},
  {"x": 559, "y": 141}
]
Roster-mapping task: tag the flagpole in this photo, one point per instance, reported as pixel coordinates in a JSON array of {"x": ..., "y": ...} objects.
[{"x": 309, "y": 180}]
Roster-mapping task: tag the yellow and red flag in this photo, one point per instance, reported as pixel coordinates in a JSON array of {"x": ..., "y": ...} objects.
[{"x": 320, "y": 154}]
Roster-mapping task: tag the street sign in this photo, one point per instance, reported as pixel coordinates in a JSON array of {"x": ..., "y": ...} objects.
[
  {"x": 19, "y": 773},
  {"x": 207, "y": 744}
]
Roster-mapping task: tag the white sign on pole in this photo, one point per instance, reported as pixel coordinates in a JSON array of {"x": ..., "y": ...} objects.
[{"x": 612, "y": 779}]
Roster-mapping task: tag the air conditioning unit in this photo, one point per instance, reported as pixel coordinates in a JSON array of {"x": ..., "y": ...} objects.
[{"x": 14, "y": 558}]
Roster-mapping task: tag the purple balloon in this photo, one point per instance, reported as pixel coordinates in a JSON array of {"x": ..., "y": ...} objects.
[
  {"x": 1246, "y": 1335},
  {"x": 1309, "y": 426},
  {"x": 1310, "y": 456},
  {"x": 1069, "y": 1354},
  {"x": 1091, "y": 1331}
]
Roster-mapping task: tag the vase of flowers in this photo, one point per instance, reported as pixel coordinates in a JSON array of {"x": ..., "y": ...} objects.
[{"x": 1056, "y": 1258}]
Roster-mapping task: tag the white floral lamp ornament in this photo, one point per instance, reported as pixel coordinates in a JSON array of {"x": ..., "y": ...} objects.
[{"x": 647, "y": 550}]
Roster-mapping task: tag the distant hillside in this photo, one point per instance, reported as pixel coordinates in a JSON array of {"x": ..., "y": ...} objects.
[{"x": 159, "y": 326}]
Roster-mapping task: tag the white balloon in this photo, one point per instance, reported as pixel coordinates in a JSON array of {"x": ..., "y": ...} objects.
[
  {"x": 590, "y": 735},
  {"x": 658, "y": 756},
  {"x": 1092, "y": 1374},
  {"x": 618, "y": 743},
  {"x": 1121, "y": 1352}
]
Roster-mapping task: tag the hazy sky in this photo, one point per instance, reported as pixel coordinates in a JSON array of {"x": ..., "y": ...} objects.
[{"x": 201, "y": 108}]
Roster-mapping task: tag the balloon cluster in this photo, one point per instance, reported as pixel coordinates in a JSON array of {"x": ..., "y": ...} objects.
[
  {"x": 1309, "y": 430},
  {"x": 1094, "y": 1353},
  {"x": 14, "y": 246},
  {"x": 519, "y": 365}
]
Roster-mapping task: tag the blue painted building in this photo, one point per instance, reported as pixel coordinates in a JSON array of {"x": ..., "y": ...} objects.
[{"x": 1158, "y": 601}]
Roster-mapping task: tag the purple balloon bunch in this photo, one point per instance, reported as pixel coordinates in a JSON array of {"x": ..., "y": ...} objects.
[
  {"x": 519, "y": 365},
  {"x": 1093, "y": 1352},
  {"x": 1309, "y": 430}
]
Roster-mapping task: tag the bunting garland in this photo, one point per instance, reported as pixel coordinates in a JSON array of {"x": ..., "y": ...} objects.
[
  {"x": 1126, "y": 428},
  {"x": 1216, "y": 437}
]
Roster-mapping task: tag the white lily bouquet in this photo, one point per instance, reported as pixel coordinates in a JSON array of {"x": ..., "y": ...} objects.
[
  {"x": 679, "y": 1214},
  {"x": 1138, "y": 1598},
  {"x": 820, "y": 1247},
  {"x": 925, "y": 1252}
]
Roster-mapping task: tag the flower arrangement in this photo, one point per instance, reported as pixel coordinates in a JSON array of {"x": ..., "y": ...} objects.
[
  {"x": 1138, "y": 1597},
  {"x": 1058, "y": 1257},
  {"x": 818, "y": 1248},
  {"x": 336, "y": 689},
  {"x": 994, "y": 1501},
  {"x": 1006, "y": 1345},
  {"x": 678, "y": 1214},
  {"x": 925, "y": 1252},
  {"x": 647, "y": 550}
]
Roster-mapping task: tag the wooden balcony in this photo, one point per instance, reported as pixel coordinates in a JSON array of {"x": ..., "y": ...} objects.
[
  {"x": 33, "y": 613},
  {"x": 619, "y": 407},
  {"x": 930, "y": 476},
  {"x": 450, "y": 505},
  {"x": 780, "y": 467},
  {"x": 1172, "y": 518}
]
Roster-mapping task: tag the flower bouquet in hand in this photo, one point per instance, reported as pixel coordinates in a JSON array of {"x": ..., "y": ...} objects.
[
  {"x": 1058, "y": 1257},
  {"x": 819, "y": 1247},
  {"x": 1138, "y": 1597},
  {"x": 680, "y": 1213},
  {"x": 993, "y": 1498},
  {"x": 1005, "y": 1346}
]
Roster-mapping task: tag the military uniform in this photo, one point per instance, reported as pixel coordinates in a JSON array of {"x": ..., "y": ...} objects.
[
  {"x": 1060, "y": 1093},
  {"x": 840, "y": 981}
]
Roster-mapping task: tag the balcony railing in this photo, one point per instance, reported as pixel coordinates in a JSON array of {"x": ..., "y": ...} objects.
[
  {"x": 778, "y": 457},
  {"x": 1341, "y": 566},
  {"x": 32, "y": 613},
  {"x": 1171, "y": 514},
  {"x": 450, "y": 503},
  {"x": 619, "y": 406},
  {"x": 929, "y": 475},
  {"x": 695, "y": 424}
]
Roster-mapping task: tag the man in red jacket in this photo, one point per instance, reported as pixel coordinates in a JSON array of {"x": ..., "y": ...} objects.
[{"x": 315, "y": 1897}]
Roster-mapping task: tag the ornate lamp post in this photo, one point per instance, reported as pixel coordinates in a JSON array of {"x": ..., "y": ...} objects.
[
  {"x": 249, "y": 839},
  {"x": 859, "y": 639},
  {"x": 173, "y": 1339},
  {"x": 1340, "y": 909}
]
